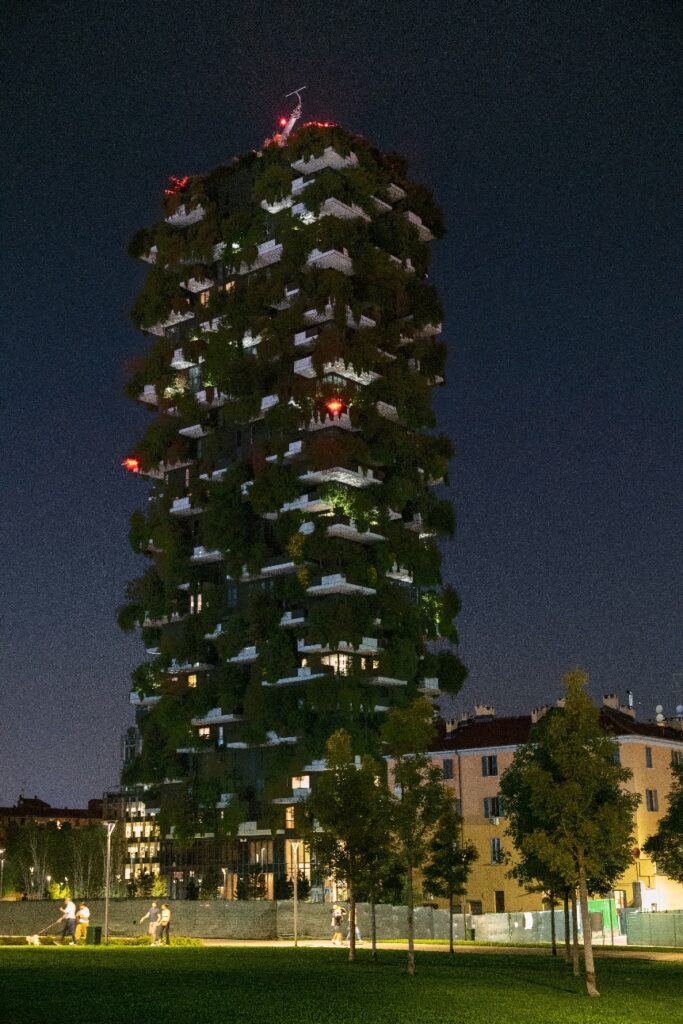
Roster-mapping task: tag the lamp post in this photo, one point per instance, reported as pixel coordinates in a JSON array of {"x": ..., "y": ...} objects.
[
  {"x": 225, "y": 883},
  {"x": 110, "y": 826},
  {"x": 32, "y": 870},
  {"x": 295, "y": 851},
  {"x": 48, "y": 879},
  {"x": 2, "y": 872}
]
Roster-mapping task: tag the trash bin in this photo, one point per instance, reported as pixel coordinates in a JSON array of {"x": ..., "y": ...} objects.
[
  {"x": 94, "y": 936},
  {"x": 596, "y": 921},
  {"x": 473, "y": 934}
]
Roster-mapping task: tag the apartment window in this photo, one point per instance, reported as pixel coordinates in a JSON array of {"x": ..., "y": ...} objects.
[
  {"x": 648, "y": 757},
  {"x": 301, "y": 782},
  {"x": 651, "y": 800},
  {"x": 204, "y": 732},
  {"x": 195, "y": 604},
  {"x": 204, "y": 298},
  {"x": 192, "y": 680},
  {"x": 289, "y": 817},
  {"x": 677, "y": 756},
  {"x": 500, "y": 901},
  {"x": 231, "y": 596},
  {"x": 489, "y": 764},
  {"x": 493, "y": 807},
  {"x": 341, "y": 663},
  {"x": 496, "y": 851},
  {"x": 447, "y": 766}
]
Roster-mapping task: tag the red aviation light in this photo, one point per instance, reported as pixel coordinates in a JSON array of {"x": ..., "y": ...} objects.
[
  {"x": 282, "y": 122},
  {"x": 176, "y": 185},
  {"x": 132, "y": 464},
  {"x": 334, "y": 406}
]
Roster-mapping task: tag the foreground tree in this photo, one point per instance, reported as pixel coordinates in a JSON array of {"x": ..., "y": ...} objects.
[
  {"x": 417, "y": 796},
  {"x": 666, "y": 845},
  {"x": 346, "y": 821},
  {"x": 580, "y": 825},
  {"x": 450, "y": 861}
]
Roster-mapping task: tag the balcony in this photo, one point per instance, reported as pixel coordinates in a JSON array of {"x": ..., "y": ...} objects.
[
  {"x": 303, "y": 675},
  {"x": 185, "y": 216},
  {"x": 197, "y": 285},
  {"x": 389, "y": 681},
  {"x": 143, "y": 702},
  {"x": 187, "y": 668},
  {"x": 430, "y": 686},
  {"x": 195, "y": 432},
  {"x": 342, "y": 421},
  {"x": 183, "y": 507},
  {"x": 406, "y": 264},
  {"x": 346, "y": 370},
  {"x": 330, "y": 158},
  {"x": 300, "y": 184},
  {"x": 333, "y": 207},
  {"x": 292, "y": 619},
  {"x": 306, "y": 503},
  {"x": 151, "y": 255},
  {"x": 347, "y": 530},
  {"x": 164, "y": 620},
  {"x": 389, "y": 412},
  {"x": 331, "y": 259},
  {"x": 416, "y": 525},
  {"x": 368, "y": 645},
  {"x": 180, "y": 361},
  {"x": 267, "y": 253},
  {"x": 294, "y": 449},
  {"x": 337, "y": 583},
  {"x": 380, "y": 205},
  {"x": 148, "y": 395},
  {"x": 277, "y": 205},
  {"x": 247, "y": 656},
  {"x": 211, "y": 398},
  {"x": 423, "y": 231},
  {"x": 303, "y": 367},
  {"x": 399, "y": 573},
  {"x": 211, "y": 326},
  {"x": 289, "y": 296},
  {"x": 249, "y": 341},
  {"x": 278, "y": 567},
  {"x": 202, "y": 556},
  {"x": 341, "y": 475},
  {"x": 159, "y": 328},
  {"x": 215, "y": 633},
  {"x": 215, "y": 717},
  {"x": 215, "y": 477},
  {"x": 395, "y": 193}
]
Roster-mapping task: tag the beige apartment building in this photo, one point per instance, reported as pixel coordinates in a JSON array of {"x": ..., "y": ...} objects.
[{"x": 473, "y": 753}]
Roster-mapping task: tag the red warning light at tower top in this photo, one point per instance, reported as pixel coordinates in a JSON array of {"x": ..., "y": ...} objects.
[
  {"x": 334, "y": 406},
  {"x": 132, "y": 464},
  {"x": 282, "y": 121}
]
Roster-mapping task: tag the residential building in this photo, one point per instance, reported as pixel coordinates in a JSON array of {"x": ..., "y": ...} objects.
[
  {"x": 474, "y": 751},
  {"x": 32, "y": 810},
  {"x": 293, "y": 580}
]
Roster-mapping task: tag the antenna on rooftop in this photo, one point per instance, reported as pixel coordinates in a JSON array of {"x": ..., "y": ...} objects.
[{"x": 293, "y": 117}]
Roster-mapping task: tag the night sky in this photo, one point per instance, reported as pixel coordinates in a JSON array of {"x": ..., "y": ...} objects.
[{"x": 549, "y": 136}]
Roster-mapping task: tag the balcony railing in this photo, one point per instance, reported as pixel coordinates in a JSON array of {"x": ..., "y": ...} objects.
[
  {"x": 329, "y": 158},
  {"x": 337, "y": 583}
]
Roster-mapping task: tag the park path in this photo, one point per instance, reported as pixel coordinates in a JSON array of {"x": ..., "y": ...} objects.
[{"x": 664, "y": 955}]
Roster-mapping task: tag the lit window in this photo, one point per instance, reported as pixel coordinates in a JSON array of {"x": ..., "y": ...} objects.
[
  {"x": 205, "y": 732},
  {"x": 301, "y": 782},
  {"x": 341, "y": 663},
  {"x": 648, "y": 757},
  {"x": 489, "y": 764},
  {"x": 651, "y": 800},
  {"x": 192, "y": 680},
  {"x": 204, "y": 298},
  {"x": 289, "y": 817},
  {"x": 195, "y": 604}
]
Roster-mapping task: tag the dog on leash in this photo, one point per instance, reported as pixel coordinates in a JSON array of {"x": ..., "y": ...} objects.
[{"x": 33, "y": 940}]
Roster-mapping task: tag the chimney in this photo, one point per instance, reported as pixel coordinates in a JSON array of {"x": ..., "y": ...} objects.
[
  {"x": 560, "y": 702},
  {"x": 484, "y": 711},
  {"x": 451, "y": 725},
  {"x": 538, "y": 713},
  {"x": 610, "y": 700}
]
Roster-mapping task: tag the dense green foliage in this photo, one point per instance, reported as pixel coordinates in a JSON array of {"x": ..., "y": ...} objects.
[
  {"x": 215, "y": 986},
  {"x": 666, "y": 845}
]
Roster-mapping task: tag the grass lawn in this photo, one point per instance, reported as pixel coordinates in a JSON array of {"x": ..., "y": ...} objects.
[{"x": 317, "y": 986}]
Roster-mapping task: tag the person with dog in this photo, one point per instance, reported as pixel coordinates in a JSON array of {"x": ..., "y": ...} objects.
[
  {"x": 152, "y": 915},
  {"x": 338, "y": 915},
  {"x": 164, "y": 929},
  {"x": 68, "y": 912},
  {"x": 82, "y": 921}
]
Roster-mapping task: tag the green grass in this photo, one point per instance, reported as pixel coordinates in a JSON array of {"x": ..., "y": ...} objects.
[{"x": 317, "y": 986}]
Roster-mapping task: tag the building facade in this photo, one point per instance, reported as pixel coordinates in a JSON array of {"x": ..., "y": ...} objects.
[
  {"x": 475, "y": 751},
  {"x": 293, "y": 580}
]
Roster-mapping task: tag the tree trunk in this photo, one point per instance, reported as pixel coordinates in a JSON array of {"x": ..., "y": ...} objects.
[
  {"x": 411, "y": 920},
  {"x": 373, "y": 927},
  {"x": 575, "y": 937},
  {"x": 591, "y": 988},
  {"x": 553, "y": 936},
  {"x": 567, "y": 932},
  {"x": 451, "y": 947},
  {"x": 352, "y": 924}
]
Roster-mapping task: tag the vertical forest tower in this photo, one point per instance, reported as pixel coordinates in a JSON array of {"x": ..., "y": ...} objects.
[{"x": 292, "y": 583}]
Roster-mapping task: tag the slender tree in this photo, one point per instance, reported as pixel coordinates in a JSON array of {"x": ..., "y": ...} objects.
[
  {"x": 450, "y": 861},
  {"x": 346, "y": 820},
  {"x": 417, "y": 796},
  {"x": 666, "y": 845},
  {"x": 582, "y": 819}
]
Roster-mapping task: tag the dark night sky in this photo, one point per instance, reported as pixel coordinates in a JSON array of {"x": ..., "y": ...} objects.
[{"x": 548, "y": 134}]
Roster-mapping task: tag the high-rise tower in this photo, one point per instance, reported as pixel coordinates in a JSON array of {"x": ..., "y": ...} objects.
[{"x": 293, "y": 583}]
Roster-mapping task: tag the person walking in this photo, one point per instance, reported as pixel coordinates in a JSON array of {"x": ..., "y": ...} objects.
[
  {"x": 164, "y": 931},
  {"x": 338, "y": 914},
  {"x": 82, "y": 921},
  {"x": 152, "y": 915},
  {"x": 68, "y": 912}
]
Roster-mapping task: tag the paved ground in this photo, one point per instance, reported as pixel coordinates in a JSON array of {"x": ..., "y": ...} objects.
[{"x": 665, "y": 955}]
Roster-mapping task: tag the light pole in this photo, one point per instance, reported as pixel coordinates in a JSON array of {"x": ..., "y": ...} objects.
[
  {"x": 2, "y": 872},
  {"x": 32, "y": 870},
  {"x": 110, "y": 826},
  {"x": 48, "y": 879},
  {"x": 225, "y": 883},
  {"x": 295, "y": 851}
]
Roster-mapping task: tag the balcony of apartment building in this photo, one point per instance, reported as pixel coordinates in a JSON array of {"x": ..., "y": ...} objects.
[
  {"x": 328, "y": 159},
  {"x": 358, "y": 477},
  {"x": 424, "y": 234},
  {"x": 331, "y": 259},
  {"x": 186, "y": 215},
  {"x": 337, "y": 583},
  {"x": 347, "y": 529}
]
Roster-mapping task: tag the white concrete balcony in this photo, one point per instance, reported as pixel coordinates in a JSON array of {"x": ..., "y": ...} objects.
[
  {"x": 423, "y": 231},
  {"x": 148, "y": 395},
  {"x": 399, "y": 573},
  {"x": 323, "y": 422},
  {"x": 346, "y": 370},
  {"x": 197, "y": 284},
  {"x": 292, "y": 619},
  {"x": 340, "y": 474},
  {"x": 186, "y": 216},
  {"x": 247, "y": 656},
  {"x": 215, "y": 633},
  {"x": 267, "y": 253},
  {"x": 246, "y": 487},
  {"x": 381, "y": 709},
  {"x": 268, "y": 403},
  {"x": 194, "y": 432},
  {"x": 204, "y": 556},
  {"x": 416, "y": 525},
  {"x": 183, "y": 507},
  {"x": 331, "y": 259},
  {"x": 368, "y": 645},
  {"x": 406, "y": 264},
  {"x": 307, "y": 338},
  {"x": 289, "y": 296},
  {"x": 428, "y": 331},
  {"x": 278, "y": 567},
  {"x": 214, "y": 477},
  {"x": 215, "y": 717},
  {"x": 380, "y": 205},
  {"x": 180, "y": 360},
  {"x": 395, "y": 193},
  {"x": 164, "y": 620},
  {"x": 430, "y": 686},
  {"x": 276, "y": 205},
  {"x": 333, "y": 207},
  {"x": 389, "y": 681},
  {"x": 330, "y": 158},
  {"x": 143, "y": 702},
  {"x": 211, "y": 398},
  {"x": 187, "y": 668},
  {"x": 304, "y": 367},
  {"x": 159, "y": 329},
  {"x": 294, "y": 449},
  {"x": 389, "y": 412},
  {"x": 250, "y": 341},
  {"x": 211, "y": 326},
  {"x": 347, "y": 530},
  {"x": 303, "y": 675},
  {"x": 151, "y": 255},
  {"x": 337, "y": 583},
  {"x": 306, "y": 503}
]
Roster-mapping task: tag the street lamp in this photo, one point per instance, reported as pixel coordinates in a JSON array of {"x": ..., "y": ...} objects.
[
  {"x": 2, "y": 872},
  {"x": 225, "y": 883},
  {"x": 110, "y": 826},
  {"x": 295, "y": 851},
  {"x": 48, "y": 879},
  {"x": 32, "y": 870}
]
